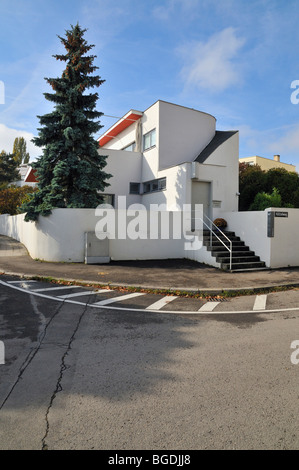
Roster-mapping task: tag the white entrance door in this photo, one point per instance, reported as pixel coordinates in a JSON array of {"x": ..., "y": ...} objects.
[{"x": 201, "y": 194}]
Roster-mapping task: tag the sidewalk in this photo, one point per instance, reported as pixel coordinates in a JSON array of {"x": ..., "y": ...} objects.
[{"x": 178, "y": 274}]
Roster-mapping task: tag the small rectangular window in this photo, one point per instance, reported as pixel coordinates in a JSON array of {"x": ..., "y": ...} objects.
[
  {"x": 154, "y": 185},
  {"x": 162, "y": 184},
  {"x": 149, "y": 139},
  {"x": 134, "y": 188},
  {"x": 131, "y": 147},
  {"x": 146, "y": 187}
]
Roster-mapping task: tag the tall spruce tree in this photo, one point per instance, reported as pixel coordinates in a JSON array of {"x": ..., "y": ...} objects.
[{"x": 70, "y": 170}]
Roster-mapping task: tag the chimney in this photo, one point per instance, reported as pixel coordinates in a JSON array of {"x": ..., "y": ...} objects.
[{"x": 277, "y": 158}]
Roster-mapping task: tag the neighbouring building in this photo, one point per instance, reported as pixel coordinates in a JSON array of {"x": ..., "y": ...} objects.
[
  {"x": 268, "y": 163},
  {"x": 26, "y": 176},
  {"x": 172, "y": 155}
]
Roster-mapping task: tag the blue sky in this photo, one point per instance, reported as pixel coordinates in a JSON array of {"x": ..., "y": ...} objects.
[{"x": 234, "y": 59}]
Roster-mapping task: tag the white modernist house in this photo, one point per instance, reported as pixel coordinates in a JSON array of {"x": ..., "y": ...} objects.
[
  {"x": 172, "y": 155},
  {"x": 168, "y": 156}
]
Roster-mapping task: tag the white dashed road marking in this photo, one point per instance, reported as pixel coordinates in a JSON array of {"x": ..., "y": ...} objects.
[
  {"x": 118, "y": 299},
  {"x": 53, "y": 288},
  {"x": 20, "y": 282},
  {"x": 161, "y": 303},
  {"x": 79, "y": 294},
  {"x": 260, "y": 302},
  {"x": 208, "y": 307}
]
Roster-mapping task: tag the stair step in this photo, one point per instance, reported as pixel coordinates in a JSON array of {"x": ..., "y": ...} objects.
[
  {"x": 224, "y": 244},
  {"x": 238, "y": 259},
  {"x": 243, "y": 259},
  {"x": 235, "y": 254},
  {"x": 221, "y": 237},
  {"x": 263, "y": 268},
  {"x": 244, "y": 266},
  {"x": 221, "y": 247},
  {"x": 227, "y": 233}
]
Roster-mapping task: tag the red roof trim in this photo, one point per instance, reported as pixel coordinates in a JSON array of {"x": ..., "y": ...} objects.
[
  {"x": 120, "y": 126},
  {"x": 30, "y": 177}
]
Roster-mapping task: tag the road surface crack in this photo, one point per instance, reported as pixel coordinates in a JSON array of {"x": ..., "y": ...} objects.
[
  {"x": 30, "y": 356},
  {"x": 58, "y": 387}
]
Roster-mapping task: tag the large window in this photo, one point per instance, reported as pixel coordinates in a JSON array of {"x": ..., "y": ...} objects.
[
  {"x": 149, "y": 139},
  {"x": 154, "y": 185}
]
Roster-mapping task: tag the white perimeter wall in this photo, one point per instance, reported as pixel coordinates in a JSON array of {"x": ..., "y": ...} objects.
[
  {"x": 251, "y": 227},
  {"x": 60, "y": 237},
  {"x": 279, "y": 251}
]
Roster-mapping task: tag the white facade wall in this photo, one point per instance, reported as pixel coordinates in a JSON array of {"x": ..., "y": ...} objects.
[
  {"x": 222, "y": 171},
  {"x": 150, "y": 163},
  {"x": 183, "y": 133},
  {"x": 125, "y": 167}
]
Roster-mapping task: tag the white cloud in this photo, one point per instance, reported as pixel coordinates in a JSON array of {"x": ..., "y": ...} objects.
[
  {"x": 8, "y": 135},
  {"x": 212, "y": 65}
]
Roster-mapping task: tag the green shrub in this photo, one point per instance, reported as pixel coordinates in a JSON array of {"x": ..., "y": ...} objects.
[
  {"x": 264, "y": 200},
  {"x": 12, "y": 199}
]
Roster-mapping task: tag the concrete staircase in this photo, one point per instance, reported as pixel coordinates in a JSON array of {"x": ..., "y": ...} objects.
[{"x": 243, "y": 259}]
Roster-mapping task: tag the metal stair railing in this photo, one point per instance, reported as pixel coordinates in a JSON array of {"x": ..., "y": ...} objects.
[{"x": 230, "y": 248}]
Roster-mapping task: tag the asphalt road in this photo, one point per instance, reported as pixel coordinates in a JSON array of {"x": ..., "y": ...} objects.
[{"x": 123, "y": 377}]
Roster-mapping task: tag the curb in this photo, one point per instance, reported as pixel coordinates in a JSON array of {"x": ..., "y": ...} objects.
[{"x": 181, "y": 290}]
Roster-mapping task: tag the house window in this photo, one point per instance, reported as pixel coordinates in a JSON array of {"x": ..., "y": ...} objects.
[
  {"x": 154, "y": 185},
  {"x": 162, "y": 184},
  {"x": 131, "y": 147},
  {"x": 134, "y": 188},
  {"x": 149, "y": 139}
]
